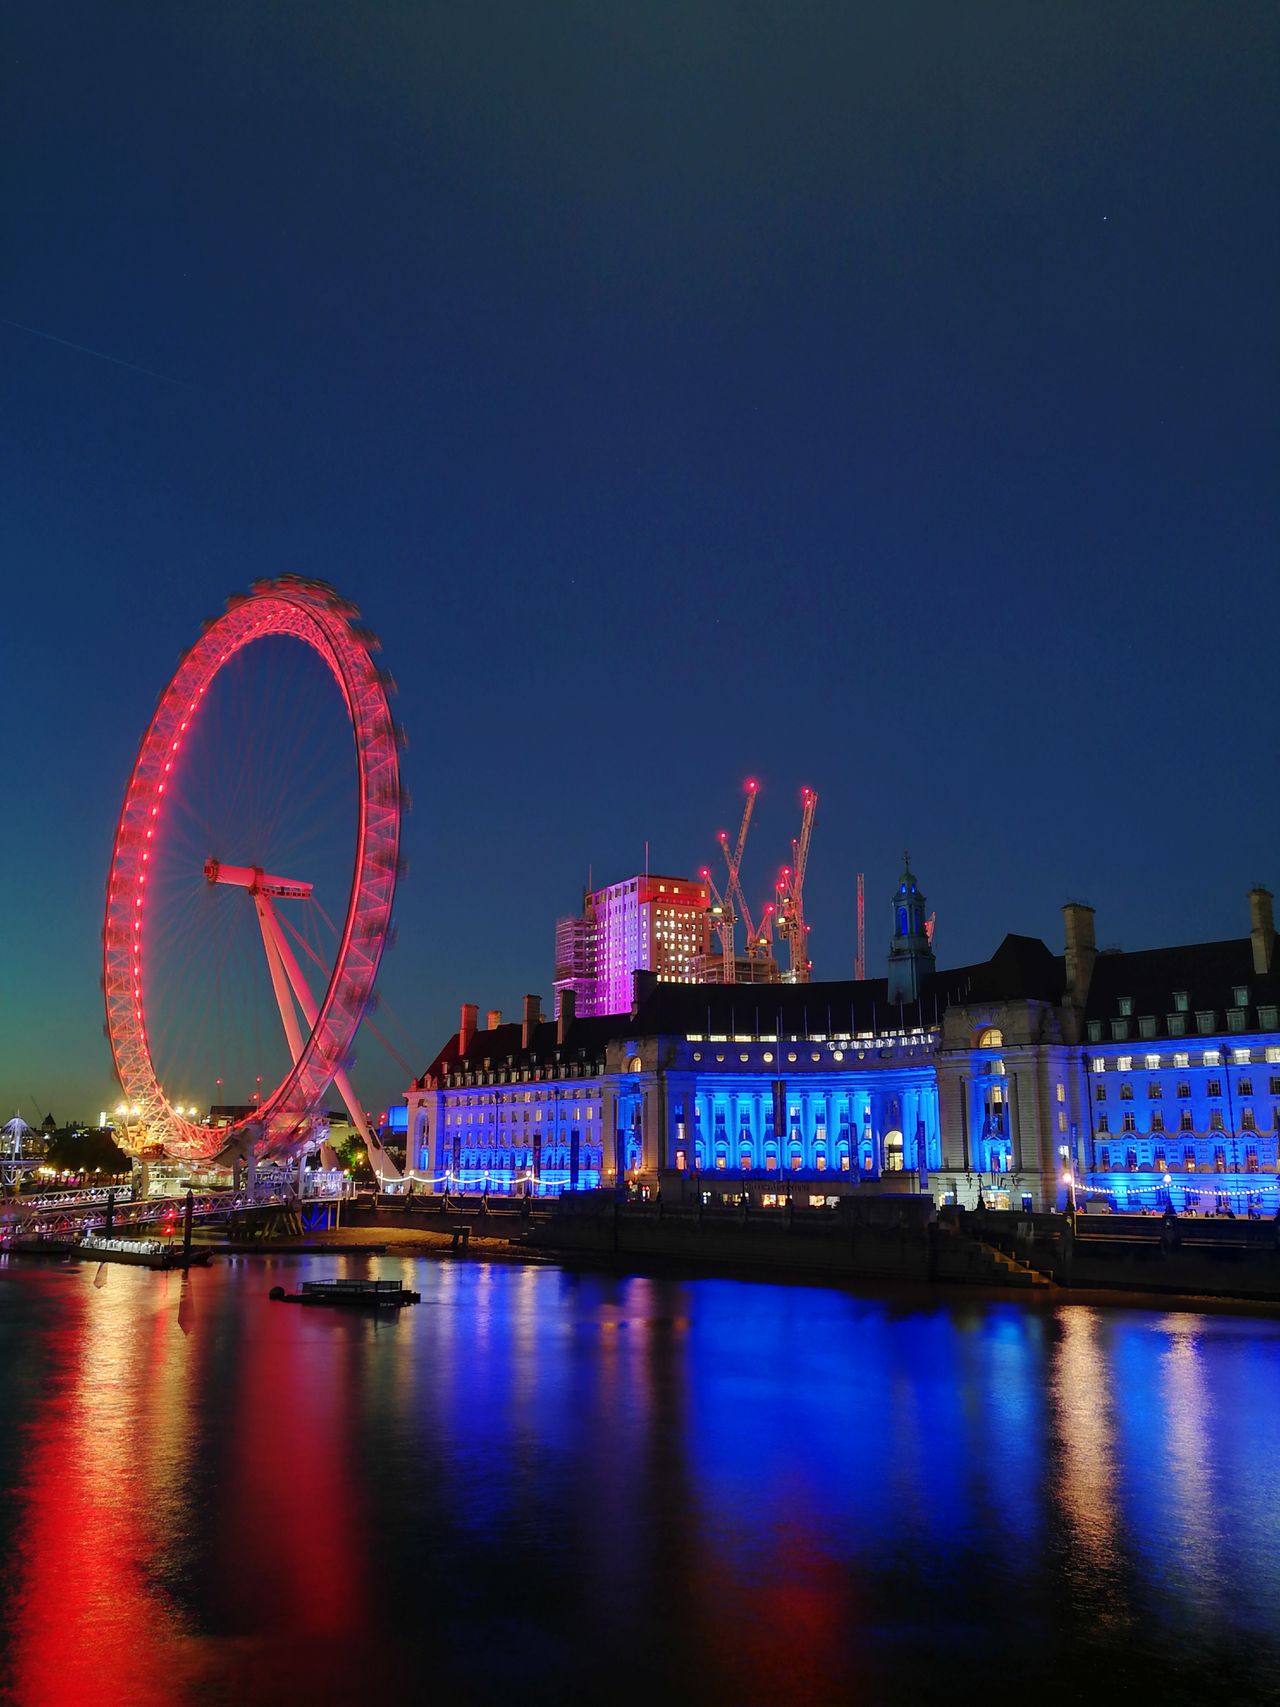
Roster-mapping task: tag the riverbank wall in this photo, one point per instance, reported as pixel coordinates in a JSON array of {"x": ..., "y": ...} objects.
[
  {"x": 902, "y": 1238},
  {"x": 1219, "y": 1256}
]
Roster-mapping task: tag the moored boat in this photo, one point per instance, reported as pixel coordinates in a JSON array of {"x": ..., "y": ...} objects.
[
  {"x": 358, "y": 1294},
  {"x": 139, "y": 1253}
]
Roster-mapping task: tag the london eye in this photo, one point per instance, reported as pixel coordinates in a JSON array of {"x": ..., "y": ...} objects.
[{"x": 252, "y": 878}]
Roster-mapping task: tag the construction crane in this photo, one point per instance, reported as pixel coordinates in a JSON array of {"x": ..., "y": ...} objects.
[
  {"x": 860, "y": 954},
  {"x": 723, "y": 921},
  {"x": 791, "y": 926},
  {"x": 759, "y": 936}
]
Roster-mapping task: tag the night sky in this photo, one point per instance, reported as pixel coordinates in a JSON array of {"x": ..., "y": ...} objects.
[{"x": 880, "y": 399}]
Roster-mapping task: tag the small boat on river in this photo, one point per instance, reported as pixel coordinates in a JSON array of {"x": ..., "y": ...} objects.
[
  {"x": 139, "y": 1253},
  {"x": 354, "y": 1294}
]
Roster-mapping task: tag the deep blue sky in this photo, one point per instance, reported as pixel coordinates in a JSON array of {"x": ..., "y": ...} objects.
[{"x": 876, "y": 398}]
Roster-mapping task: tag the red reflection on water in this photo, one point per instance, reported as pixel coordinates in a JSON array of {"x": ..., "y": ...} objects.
[
  {"x": 90, "y": 1623},
  {"x": 110, "y": 1516},
  {"x": 782, "y": 1629},
  {"x": 290, "y": 1512}
]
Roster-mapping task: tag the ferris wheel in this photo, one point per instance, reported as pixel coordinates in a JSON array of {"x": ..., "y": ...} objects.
[{"x": 218, "y": 764}]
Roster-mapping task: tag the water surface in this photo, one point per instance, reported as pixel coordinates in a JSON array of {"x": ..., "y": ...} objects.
[{"x": 546, "y": 1486}]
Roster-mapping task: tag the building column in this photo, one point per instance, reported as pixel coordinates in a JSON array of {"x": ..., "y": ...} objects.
[{"x": 1015, "y": 1121}]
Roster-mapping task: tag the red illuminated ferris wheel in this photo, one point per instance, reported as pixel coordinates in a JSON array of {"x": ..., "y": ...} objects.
[{"x": 141, "y": 989}]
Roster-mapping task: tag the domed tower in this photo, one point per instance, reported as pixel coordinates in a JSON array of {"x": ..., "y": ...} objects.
[{"x": 910, "y": 952}]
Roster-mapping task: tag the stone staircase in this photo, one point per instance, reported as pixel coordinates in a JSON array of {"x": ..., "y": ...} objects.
[{"x": 962, "y": 1258}]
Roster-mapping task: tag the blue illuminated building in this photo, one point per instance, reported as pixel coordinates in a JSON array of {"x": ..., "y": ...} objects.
[{"x": 1126, "y": 1079}]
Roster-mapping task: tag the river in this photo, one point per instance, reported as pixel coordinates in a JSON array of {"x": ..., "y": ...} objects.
[{"x": 541, "y": 1485}]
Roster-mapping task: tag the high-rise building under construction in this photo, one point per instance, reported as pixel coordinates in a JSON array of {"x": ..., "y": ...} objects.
[{"x": 648, "y": 923}]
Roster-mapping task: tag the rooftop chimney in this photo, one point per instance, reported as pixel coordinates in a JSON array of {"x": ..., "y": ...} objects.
[
  {"x": 1262, "y": 928},
  {"x": 643, "y": 984},
  {"x": 532, "y": 1013},
  {"x": 493, "y": 1019},
  {"x": 1081, "y": 950},
  {"x": 568, "y": 1002},
  {"x": 467, "y": 1026}
]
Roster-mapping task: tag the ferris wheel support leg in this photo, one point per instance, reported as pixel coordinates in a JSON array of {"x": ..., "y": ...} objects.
[
  {"x": 279, "y": 950},
  {"x": 272, "y": 938}
]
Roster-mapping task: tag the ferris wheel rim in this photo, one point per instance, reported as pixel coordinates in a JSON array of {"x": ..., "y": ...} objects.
[{"x": 314, "y": 613}]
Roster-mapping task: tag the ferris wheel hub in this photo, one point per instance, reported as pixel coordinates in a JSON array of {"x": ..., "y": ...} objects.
[{"x": 257, "y": 881}]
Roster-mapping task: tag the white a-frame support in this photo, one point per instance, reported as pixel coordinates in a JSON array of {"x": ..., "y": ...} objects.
[{"x": 288, "y": 983}]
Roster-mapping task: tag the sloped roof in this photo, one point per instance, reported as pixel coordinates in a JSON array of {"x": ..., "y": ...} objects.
[
  {"x": 1208, "y": 972},
  {"x": 1022, "y": 968}
]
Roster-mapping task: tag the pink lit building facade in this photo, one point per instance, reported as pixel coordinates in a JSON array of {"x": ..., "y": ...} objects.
[{"x": 648, "y": 923}]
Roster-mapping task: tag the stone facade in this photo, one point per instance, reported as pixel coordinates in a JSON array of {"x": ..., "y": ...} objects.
[{"x": 1026, "y": 1079}]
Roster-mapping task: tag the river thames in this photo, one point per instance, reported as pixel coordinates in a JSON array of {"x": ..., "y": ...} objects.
[{"x": 553, "y": 1486}]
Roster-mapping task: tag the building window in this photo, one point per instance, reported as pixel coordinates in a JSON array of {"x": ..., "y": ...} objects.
[
  {"x": 1095, "y": 1031},
  {"x": 1160, "y": 1162},
  {"x": 1120, "y": 1030},
  {"x": 1060, "y": 1093},
  {"x": 1181, "y": 1059},
  {"x": 1219, "y": 1159},
  {"x": 1104, "y": 1157},
  {"x": 1125, "y": 1007},
  {"x": 1177, "y": 1025},
  {"x": 1189, "y": 1159},
  {"x": 1146, "y": 1025},
  {"x": 1214, "y": 1088},
  {"x": 1245, "y": 1087},
  {"x": 1267, "y": 1019},
  {"x": 1157, "y": 1121},
  {"x": 1240, "y": 1057},
  {"x": 1235, "y": 1019},
  {"x": 1273, "y": 1085},
  {"x": 1130, "y": 1123},
  {"x": 1099, "y": 1064},
  {"x": 1124, "y": 1063},
  {"x": 1131, "y": 1161},
  {"x": 1246, "y": 1120},
  {"x": 1184, "y": 1121},
  {"x": 1241, "y": 995},
  {"x": 1099, "y": 1093},
  {"x": 1251, "y": 1160},
  {"x": 1181, "y": 1001},
  {"x": 1155, "y": 1090},
  {"x": 1204, "y": 1021},
  {"x": 1126, "y": 1092},
  {"x": 1215, "y": 1120},
  {"x": 1103, "y": 1124},
  {"x": 991, "y": 1038}
]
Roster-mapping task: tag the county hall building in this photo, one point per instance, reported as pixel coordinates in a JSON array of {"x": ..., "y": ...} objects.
[{"x": 1131, "y": 1079}]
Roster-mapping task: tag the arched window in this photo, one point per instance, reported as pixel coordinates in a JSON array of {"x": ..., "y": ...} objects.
[
  {"x": 893, "y": 1152},
  {"x": 991, "y": 1038},
  {"x": 635, "y": 1065}
]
